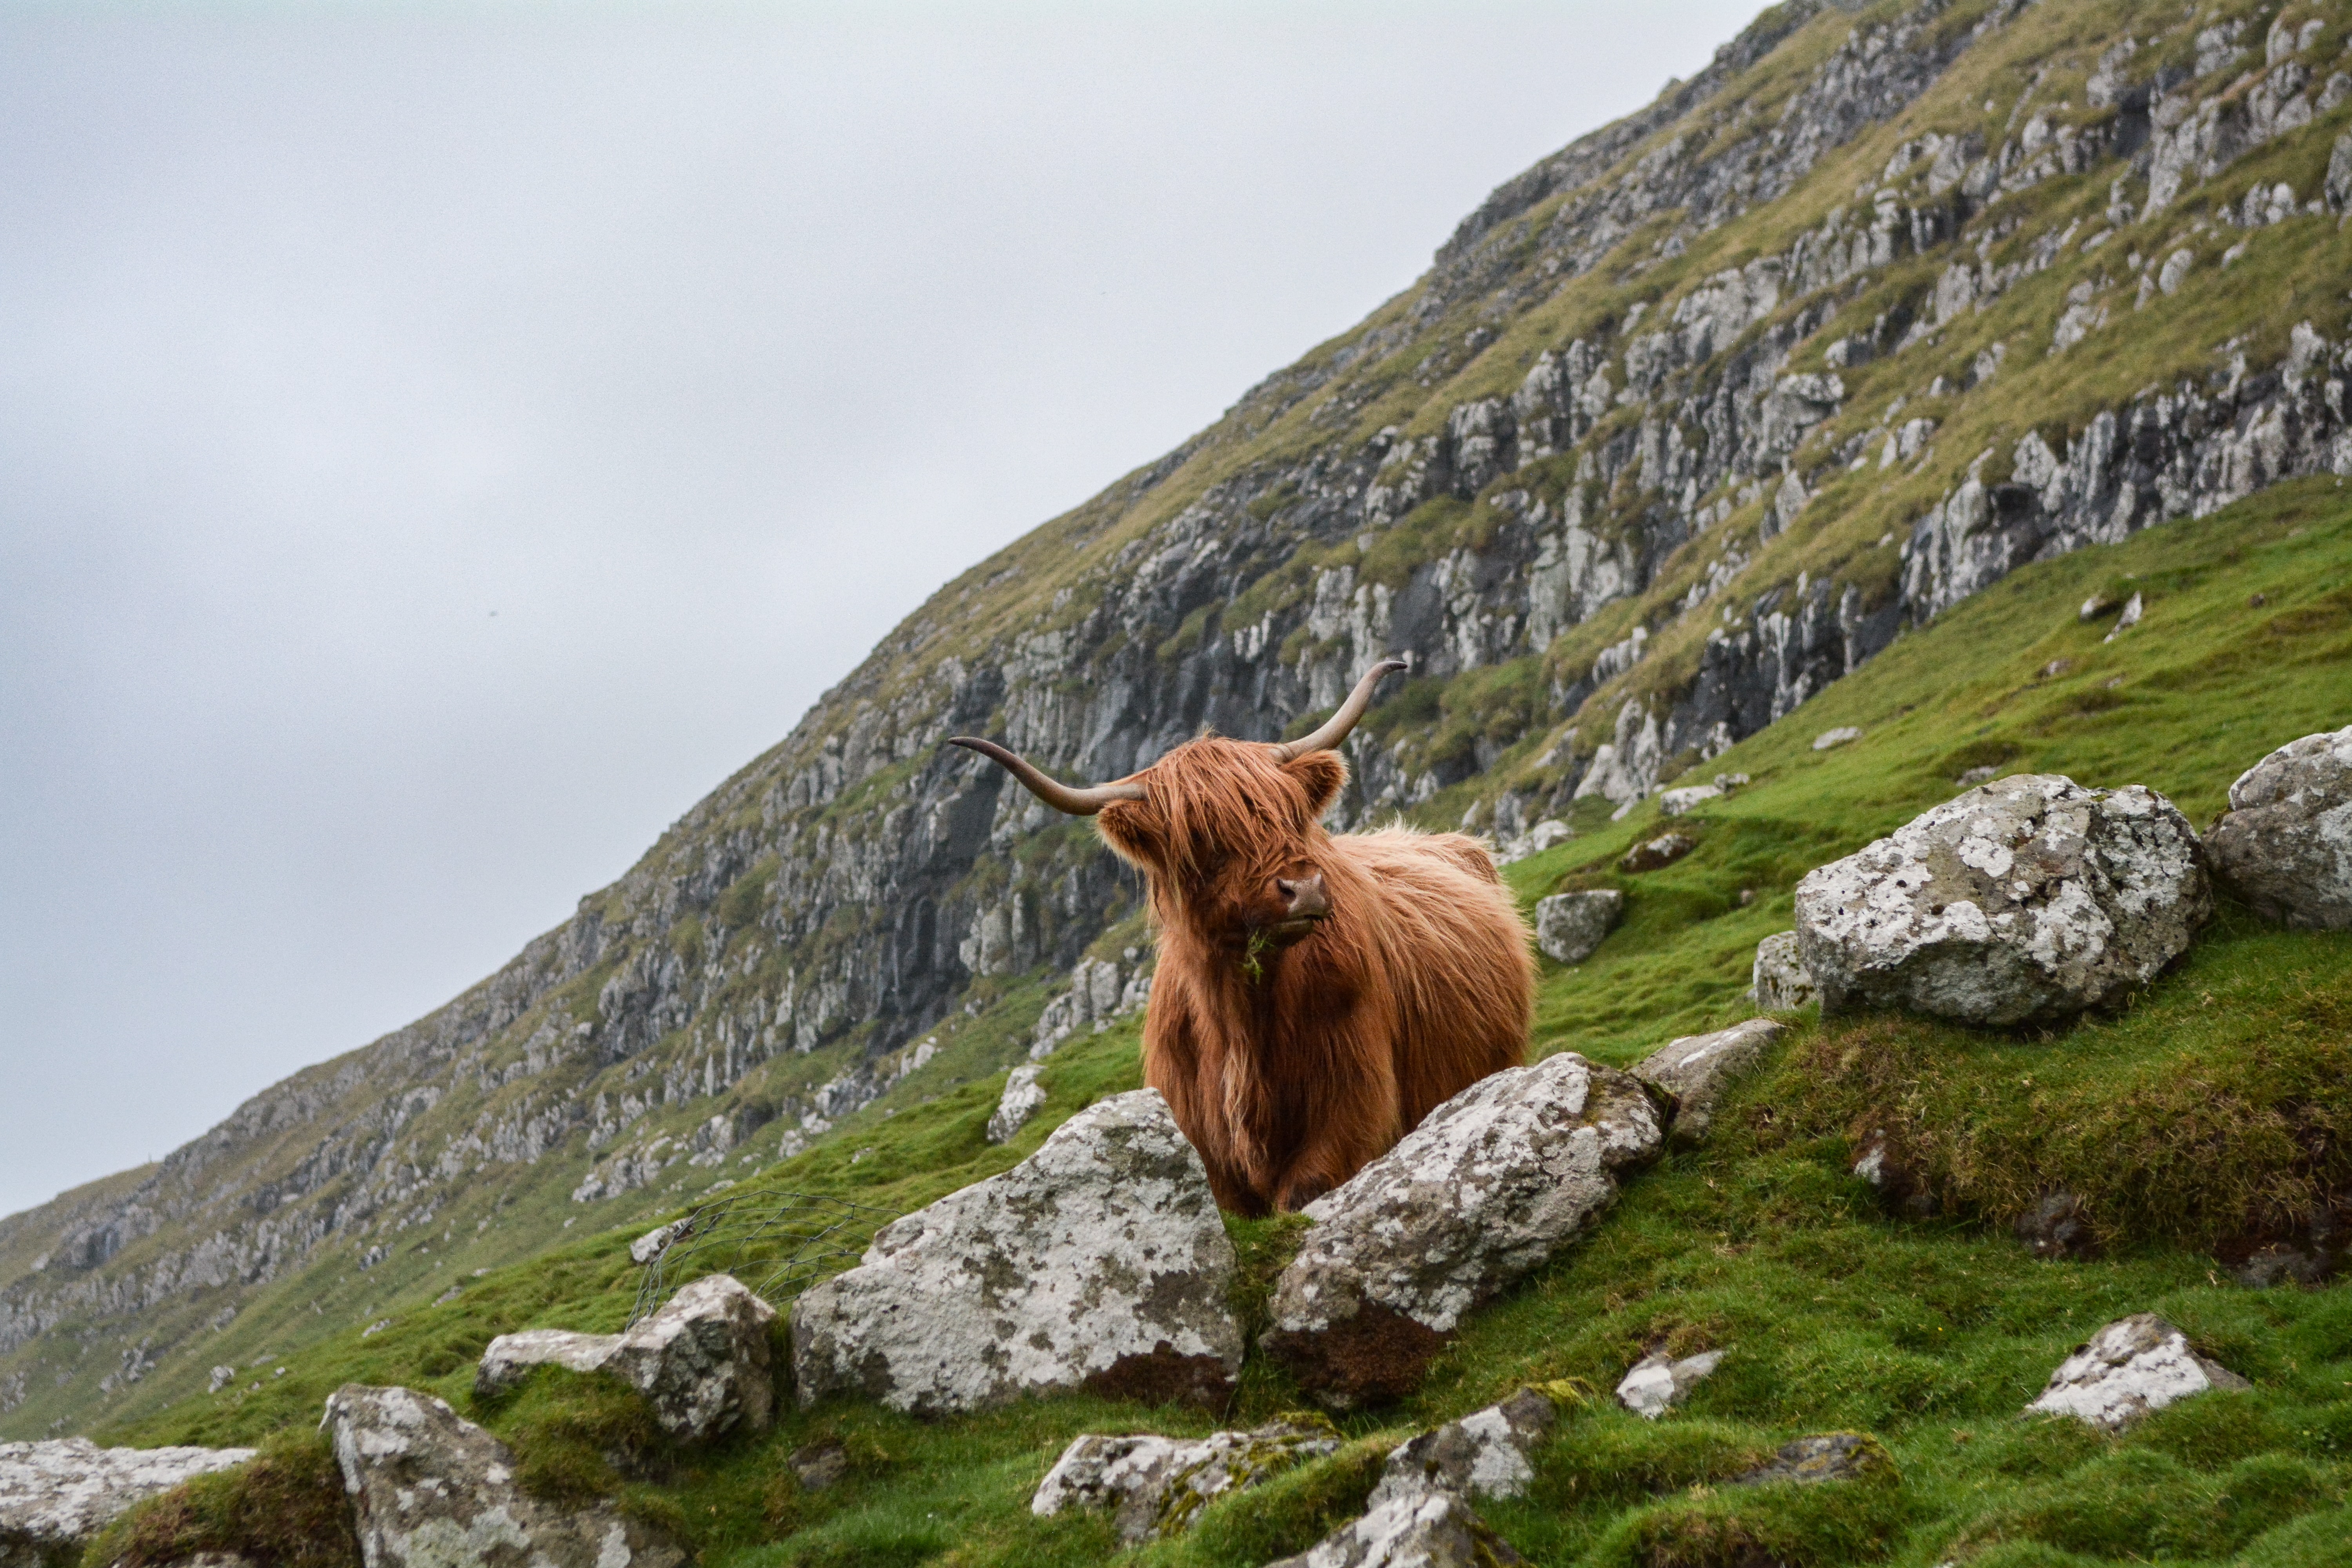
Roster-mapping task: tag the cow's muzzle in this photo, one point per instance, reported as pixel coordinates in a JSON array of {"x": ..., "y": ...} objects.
[{"x": 1305, "y": 906}]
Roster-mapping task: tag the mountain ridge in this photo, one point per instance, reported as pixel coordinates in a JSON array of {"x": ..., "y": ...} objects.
[{"x": 1619, "y": 542}]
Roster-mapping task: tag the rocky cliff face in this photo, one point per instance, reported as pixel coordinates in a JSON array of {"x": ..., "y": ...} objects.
[{"x": 1683, "y": 424}]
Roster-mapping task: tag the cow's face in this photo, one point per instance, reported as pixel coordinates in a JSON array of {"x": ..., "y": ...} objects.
[{"x": 1229, "y": 834}]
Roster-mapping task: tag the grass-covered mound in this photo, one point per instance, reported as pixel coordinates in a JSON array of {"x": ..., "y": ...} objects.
[{"x": 2209, "y": 1110}]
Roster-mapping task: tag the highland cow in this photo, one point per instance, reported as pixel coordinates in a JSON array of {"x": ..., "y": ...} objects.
[{"x": 1317, "y": 994}]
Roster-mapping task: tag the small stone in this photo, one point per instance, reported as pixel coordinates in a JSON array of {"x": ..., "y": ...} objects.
[
  {"x": 430, "y": 1489},
  {"x": 1830, "y": 1456},
  {"x": 1485, "y": 1454},
  {"x": 1658, "y": 1381},
  {"x": 1843, "y": 735},
  {"x": 2128, "y": 619},
  {"x": 1100, "y": 1261},
  {"x": 2056, "y": 1227},
  {"x": 1491, "y": 1185},
  {"x": 56, "y": 1495},
  {"x": 1781, "y": 981},
  {"x": 820, "y": 1464},
  {"x": 1982, "y": 773},
  {"x": 1571, "y": 927},
  {"x": 1433, "y": 1529},
  {"x": 656, "y": 1241},
  {"x": 1022, "y": 1099},
  {"x": 2050, "y": 671},
  {"x": 1697, "y": 1070},
  {"x": 2129, "y": 1369},
  {"x": 1156, "y": 1487},
  {"x": 2024, "y": 899},
  {"x": 1543, "y": 835},
  {"x": 2285, "y": 844},
  {"x": 2098, "y": 607},
  {"x": 222, "y": 1376},
  {"x": 1663, "y": 850},
  {"x": 1900, "y": 1188},
  {"x": 1680, "y": 802}
]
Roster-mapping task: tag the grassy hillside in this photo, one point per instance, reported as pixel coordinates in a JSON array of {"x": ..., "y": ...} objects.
[{"x": 2208, "y": 1114}]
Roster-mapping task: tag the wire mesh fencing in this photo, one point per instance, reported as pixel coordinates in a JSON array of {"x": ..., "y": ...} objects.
[{"x": 777, "y": 1243}]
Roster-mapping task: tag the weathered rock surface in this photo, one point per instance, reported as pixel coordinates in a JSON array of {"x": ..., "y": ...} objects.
[
  {"x": 2030, "y": 898},
  {"x": 1022, "y": 1099},
  {"x": 1699, "y": 1070},
  {"x": 2285, "y": 844},
  {"x": 430, "y": 1489},
  {"x": 1485, "y": 1454},
  {"x": 1494, "y": 1183},
  {"x": 2133, "y": 1367},
  {"x": 1100, "y": 1260},
  {"x": 1653, "y": 853},
  {"x": 1830, "y": 1457},
  {"x": 1658, "y": 1382},
  {"x": 1430, "y": 1529},
  {"x": 703, "y": 1360},
  {"x": 1569, "y": 927},
  {"x": 54, "y": 1496},
  {"x": 1156, "y": 1485},
  {"x": 1781, "y": 981}
]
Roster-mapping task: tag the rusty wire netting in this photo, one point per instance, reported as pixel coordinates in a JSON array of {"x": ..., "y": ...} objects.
[{"x": 777, "y": 1243}]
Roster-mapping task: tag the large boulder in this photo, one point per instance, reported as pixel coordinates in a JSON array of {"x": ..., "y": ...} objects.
[
  {"x": 1100, "y": 1261},
  {"x": 54, "y": 1496},
  {"x": 1492, "y": 1184},
  {"x": 2028, "y": 899},
  {"x": 2285, "y": 844},
  {"x": 2131, "y": 1368},
  {"x": 1154, "y": 1486},
  {"x": 1569, "y": 927},
  {"x": 1697, "y": 1070},
  {"x": 431, "y": 1490},
  {"x": 702, "y": 1361}
]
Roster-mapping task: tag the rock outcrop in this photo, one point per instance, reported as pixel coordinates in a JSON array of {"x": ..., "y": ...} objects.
[
  {"x": 2133, "y": 1367},
  {"x": 2285, "y": 844},
  {"x": 1571, "y": 927},
  {"x": 1492, "y": 1184},
  {"x": 1099, "y": 1261},
  {"x": 1697, "y": 1070},
  {"x": 1154, "y": 1486},
  {"x": 702, "y": 1361},
  {"x": 1487, "y": 1454},
  {"x": 431, "y": 1490},
  {"x": 1022, "y": 1098},
  {"x": 55, "y": 1496},
  {"x": 2028, "y": 899},
  {"x": 1780, "y": 981}
]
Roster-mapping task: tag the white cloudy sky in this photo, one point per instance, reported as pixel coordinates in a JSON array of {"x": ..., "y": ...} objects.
[{"x": 440, "y": 441}]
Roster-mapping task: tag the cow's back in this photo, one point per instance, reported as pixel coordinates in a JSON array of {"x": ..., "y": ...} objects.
[{"x": 1450, "y": 948}]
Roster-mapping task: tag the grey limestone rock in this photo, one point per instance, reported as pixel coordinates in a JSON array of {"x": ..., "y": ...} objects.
[
  {"x": 2131, "y": 1368},
  {"x": 1659, "y": 1382},
  {"x": 2027, "y": 898},
  {"x": 2285, "y": 844},
  {"x": 54, "y": 1496},
  {"x": 1827, "y": 1457},
  {"x": 1022, "y": 1099},
  {"x": 1781, "y": 981},
  {"x": 1156, "y": 1485},
  {"x": 430, "y": 1489},
  {"x": 1427, "y": 1529},
  {"x": 1493, "y": 1183},
  {"x": 702, "y": 1361},
  {"x": 1653, "y": 853},
  {"x": 1696, "y": 1069},
  {"x": 1485, "y": 1454},
  {"x": 1099, "y": 1261},
  {"x": 1569, "y": 927}
]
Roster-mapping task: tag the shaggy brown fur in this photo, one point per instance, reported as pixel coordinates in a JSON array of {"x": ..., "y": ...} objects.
[{"x": 1294, "y": 1051}]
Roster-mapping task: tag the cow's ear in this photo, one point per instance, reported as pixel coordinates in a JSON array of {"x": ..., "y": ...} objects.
[
  {"x": 1322, "y": 774},
  {"x": 1135, "y": 833}
]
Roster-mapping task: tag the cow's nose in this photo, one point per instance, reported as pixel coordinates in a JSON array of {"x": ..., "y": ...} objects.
[{"x": 1305, "y": 898}]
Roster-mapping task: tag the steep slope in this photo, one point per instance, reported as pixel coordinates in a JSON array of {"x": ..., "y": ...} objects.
[
  {"x": 1683, "y": 426},
  {"x": 2201, "y": 1121}
]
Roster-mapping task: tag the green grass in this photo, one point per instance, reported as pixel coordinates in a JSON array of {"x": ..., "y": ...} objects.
[{"x": 2213, "y": 1105}]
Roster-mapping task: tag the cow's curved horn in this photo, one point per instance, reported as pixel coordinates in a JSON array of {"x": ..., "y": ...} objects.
[
  {"x": 1334, "y": 728},
  {"x": 1054, "y": 792}
]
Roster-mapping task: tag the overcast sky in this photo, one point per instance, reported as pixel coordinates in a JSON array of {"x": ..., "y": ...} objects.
[{"x": 438, "y": 443}]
